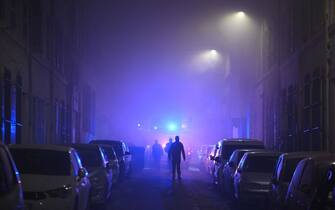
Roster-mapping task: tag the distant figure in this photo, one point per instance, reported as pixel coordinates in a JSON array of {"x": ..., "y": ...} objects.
[
  {"x": 176, "y": 150},
  {"x": 168, "y": 146},
  {"x": 157, "y": 153},
  {"x": 167, "y": 150}
]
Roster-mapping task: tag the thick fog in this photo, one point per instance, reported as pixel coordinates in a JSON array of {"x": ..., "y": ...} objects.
[{"x": 165, "y": 69}]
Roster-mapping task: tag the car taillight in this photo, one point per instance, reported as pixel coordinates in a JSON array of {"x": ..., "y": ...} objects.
[{"x": 62, "y": 192}]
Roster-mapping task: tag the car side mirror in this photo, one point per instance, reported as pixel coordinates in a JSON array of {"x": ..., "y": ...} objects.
[
  {"x": 231, "y": 164},
  {"x": 82, "y": 173},
  {"x": 217, "y": 159}
]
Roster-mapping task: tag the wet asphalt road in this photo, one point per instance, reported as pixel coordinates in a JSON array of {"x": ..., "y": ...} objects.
[{"x": 152, "y": 190}]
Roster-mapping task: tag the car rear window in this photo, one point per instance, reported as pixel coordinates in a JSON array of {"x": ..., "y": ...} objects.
[
  {"x": 42, "y": 162},
  {"x": 227, "y": 150},
  {"x": 90, "y": 157},
  {"x": 260, "y": 164},
  {"x": 291, "y": 164}
]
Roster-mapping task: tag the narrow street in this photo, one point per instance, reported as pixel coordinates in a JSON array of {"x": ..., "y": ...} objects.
[{"x": 155, "y": 190}]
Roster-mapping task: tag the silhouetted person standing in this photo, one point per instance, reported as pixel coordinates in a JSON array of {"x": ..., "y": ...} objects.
[
  {"x": 167, "y": 150},
  {"x": 157, "y": 153},
  {"x": 176, "y": 151}
]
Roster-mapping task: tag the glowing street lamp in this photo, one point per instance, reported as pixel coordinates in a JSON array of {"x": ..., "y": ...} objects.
[{"x": 240, "y": 14}]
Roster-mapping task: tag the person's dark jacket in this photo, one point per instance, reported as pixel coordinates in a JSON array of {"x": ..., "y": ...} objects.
[{"x": 176, "y": 151}]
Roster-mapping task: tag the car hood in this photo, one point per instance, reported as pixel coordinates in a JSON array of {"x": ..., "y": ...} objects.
[
  {"x": 40, "y": 183},
  {"x": 259, "y": 178}
]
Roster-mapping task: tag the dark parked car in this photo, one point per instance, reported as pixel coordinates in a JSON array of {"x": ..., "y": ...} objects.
[
  {"x": 223, "y": 151},
  {"x": 227, "y": 183},
  {"x": 252, "y": 179},
  {"x": 283, "y": 173},
  {"x": 110, "y": 155},
  {"x": 312, "y": 184},
  {"x": 99, "y": 171},
  {"x": 122, "y": 153},
  {"x": 11, "y": 193}
]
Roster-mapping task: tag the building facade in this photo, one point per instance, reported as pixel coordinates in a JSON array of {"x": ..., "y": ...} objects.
[
  {"x": 296, "y": 85},
  {"x": 41, "y": 92}
]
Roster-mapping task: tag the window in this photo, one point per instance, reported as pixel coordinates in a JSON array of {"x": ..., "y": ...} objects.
[
  {"x": 36, "y": 26},
  {"x": 7, "y": 105},
  {"x": 13, "y": 14},
  {"x": 253, "y": 164},
  {"x": 18, "y": 108},
  {"x": 39, "y": 127},
  {"x": 2, "y": 9},
  {"x": 42, "y": 162},
  {"x": 90, "y": 158}
]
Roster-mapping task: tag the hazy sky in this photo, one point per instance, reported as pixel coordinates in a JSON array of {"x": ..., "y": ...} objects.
[{"x": 141, "y": 68}]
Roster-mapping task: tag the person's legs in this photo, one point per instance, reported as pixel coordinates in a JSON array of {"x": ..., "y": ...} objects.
[
  {"x": 178, "y": 169},
  {"x": 174, "y": 165}
]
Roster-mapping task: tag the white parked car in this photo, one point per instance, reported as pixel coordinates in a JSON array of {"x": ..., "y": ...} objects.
[
  {"x": 99, "y": 171},
  {"x": 52, "y": 177},
  {"x": 252, "y": 179},
  {"x": 11, "y": 197}
]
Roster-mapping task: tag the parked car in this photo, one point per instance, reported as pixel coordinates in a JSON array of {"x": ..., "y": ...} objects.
[
  {"x": 224, "y": 150},
  {"x": 252, "y": 179},
  {"x": 203, "y": 155},
  {"x": 312, "y": 185},
  {"x": 52, "y": 177},
  {"x": 11, "y": 193},
  {"x": 283, "y": 173},
  {"x": 209, "y": 163},
  {"x": 122, "y": 153},
  {"x": 110, "y": 155},
  {"x": 99, "y": 171},
  {"x": 227, "y": 178}
]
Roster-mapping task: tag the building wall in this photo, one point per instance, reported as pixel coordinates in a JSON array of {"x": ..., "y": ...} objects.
[
  {"x": 295, "y": 81},
  {"x": 39, "y": 81}
]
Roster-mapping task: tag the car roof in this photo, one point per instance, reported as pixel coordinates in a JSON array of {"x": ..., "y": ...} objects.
[
  {"x": 54, "y": 147},
  {"x": 240, "y": 141},
  {"x": 263, "y": 153},
  {"x": 306, "y": 154},
  {"x": 89, "y": 146},
  {"x": 323, "y": 159},
  {"x": 250, "y": 150}
]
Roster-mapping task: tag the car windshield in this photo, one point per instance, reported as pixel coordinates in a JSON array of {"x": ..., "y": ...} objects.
[
  {"x": 260, "y": 164},
  {"x": 118, "y": 148},
  {"x": 90, "y": 158},
  {"x": 42, "y": 162},
  {"x": 229, "y": 149},
  {"x": 109, "y": 151},
  {"x": 291, "y": 164}
]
